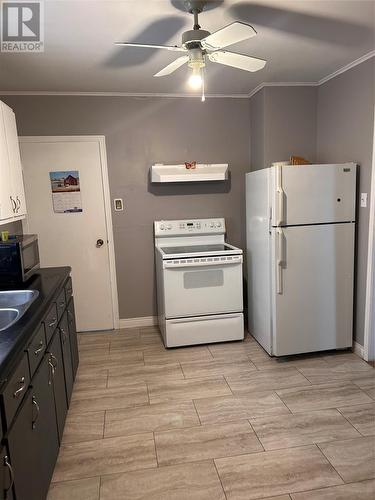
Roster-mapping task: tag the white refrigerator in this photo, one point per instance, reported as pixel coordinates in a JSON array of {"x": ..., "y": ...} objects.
[{"x": 300, "y": 224}]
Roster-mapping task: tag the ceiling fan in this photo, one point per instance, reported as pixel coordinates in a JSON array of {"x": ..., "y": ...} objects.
[{"x": 198, "y": 45}]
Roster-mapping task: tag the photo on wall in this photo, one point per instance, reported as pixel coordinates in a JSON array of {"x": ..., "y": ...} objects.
[{"x": 66, "y": 191}]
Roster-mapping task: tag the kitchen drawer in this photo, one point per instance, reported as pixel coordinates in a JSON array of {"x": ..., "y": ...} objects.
[
  {"x": 36, "y": 349},
  {"x": 50, "y": 322},
  {"x": 68, "y": 290},
  {"x": 61, "y": 304},
  {"x": 203, "y": 329},
  {"x": 16, "y": 389}
]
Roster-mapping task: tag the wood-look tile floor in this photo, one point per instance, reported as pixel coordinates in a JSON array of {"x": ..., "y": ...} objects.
[{"x": 215, "y": 422}]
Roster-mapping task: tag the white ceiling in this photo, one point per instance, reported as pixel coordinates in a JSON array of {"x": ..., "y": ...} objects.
[{"x": 303, "y": 41}]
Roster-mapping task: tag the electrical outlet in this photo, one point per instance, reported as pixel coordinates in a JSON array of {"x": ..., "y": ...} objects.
[{"x": 363, "y": 200}]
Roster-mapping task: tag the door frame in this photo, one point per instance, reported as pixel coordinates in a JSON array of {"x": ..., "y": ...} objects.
[
  {"x": 100, "y": 139},
  {"x": 369, "y": 333}
]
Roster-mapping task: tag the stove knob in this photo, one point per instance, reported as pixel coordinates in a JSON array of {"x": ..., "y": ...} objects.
[
  {"x": 169, "y": 226},
  {"x": 218, "y": 224},
  {"x": 212, "y": 224},
  {"x": 162, "y": 227}
]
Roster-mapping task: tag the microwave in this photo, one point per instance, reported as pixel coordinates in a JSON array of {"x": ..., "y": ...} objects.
[{"x": 19, "y": 258}]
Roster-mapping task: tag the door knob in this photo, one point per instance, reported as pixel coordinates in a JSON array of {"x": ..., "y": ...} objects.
[{"x": 99, "y": 243}]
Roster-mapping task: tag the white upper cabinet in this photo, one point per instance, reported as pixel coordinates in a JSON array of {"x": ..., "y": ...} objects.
[
  {"x": 6, "y": 207},
  {"x": 12, "y": 192}
]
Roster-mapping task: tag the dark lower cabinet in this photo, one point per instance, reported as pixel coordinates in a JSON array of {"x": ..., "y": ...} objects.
[
  {"x": 73, "y": 336},
  {"x": 6, "y": 476},
  {"x": 35, "y": 400},
  {"x": 63, "y": 330},
  {"x": 33, "y": 438},
  {"x": 58, "y": 381}
]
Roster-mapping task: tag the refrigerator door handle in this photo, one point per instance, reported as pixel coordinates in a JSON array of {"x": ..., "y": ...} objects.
[
  {"x": 280, "y": 261},
  {"x": 280, "y": 197}
]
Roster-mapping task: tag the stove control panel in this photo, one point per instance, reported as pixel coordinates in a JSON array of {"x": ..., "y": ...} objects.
[{"x": 189, "y": 226}]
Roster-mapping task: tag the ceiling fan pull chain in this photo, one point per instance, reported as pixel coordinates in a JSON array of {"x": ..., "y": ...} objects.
[{"x": 203, "y": 85}]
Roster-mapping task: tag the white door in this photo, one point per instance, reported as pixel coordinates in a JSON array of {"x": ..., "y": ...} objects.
[
  {"x": 312, "y": 194},
  {"x": 313, "y": 288},
  {"x": 72, "y": 239}
]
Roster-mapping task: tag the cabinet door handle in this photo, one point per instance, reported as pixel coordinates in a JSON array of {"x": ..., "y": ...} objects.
[
  {"x": 53, "y": 323},
  {"x": 52, "y": 372},
  {"x": 11, "y": 473},
  {"x": 18, "y": 205},
  {"x": 35, "y": 403},
  {"x": 40, "y": 348},
  {"x": 18, "y": 392},
  {"x": 63, "y": 334},
  {"x": 14, "y": 204},
  {"x": 53, "y": 363},
  {"x": 55, "y": 360},
  {"x": 70, "y": 317}
]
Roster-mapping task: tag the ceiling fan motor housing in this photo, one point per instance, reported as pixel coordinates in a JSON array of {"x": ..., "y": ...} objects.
[{"x": 191, "y": 38}]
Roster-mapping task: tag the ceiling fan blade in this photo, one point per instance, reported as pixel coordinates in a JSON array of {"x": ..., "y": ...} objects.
[
  {"x": 233, "y": 33},
  {"x": 173, "y": 66},
  {"x": 151, "y": 46},
  {"x": 239, "y": 61}
]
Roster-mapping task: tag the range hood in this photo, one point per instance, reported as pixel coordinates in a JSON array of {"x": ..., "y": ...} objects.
[{"x": 180, "y": 173}]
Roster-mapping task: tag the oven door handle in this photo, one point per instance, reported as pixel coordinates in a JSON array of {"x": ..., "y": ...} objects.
[{"x": 177, "y": 264}]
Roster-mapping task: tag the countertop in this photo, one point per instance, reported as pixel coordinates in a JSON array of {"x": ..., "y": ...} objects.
[{"x": 15, "y": 339}]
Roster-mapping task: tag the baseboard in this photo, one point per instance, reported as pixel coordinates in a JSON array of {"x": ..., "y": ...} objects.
[
  {"x": 138, "y": 322},
  {"x": 358, "y": 349}
]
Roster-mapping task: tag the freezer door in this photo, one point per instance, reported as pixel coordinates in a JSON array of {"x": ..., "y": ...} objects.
[
  {"x": 312, "y": 288},
  {"x": 313, "y": 194}
]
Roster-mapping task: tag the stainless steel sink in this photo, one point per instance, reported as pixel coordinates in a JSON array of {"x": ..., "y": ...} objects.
[
  {"x": 17, "y": 298},
  {"x": 7, "y": 318},
  {"x": 14, "y": 304}
]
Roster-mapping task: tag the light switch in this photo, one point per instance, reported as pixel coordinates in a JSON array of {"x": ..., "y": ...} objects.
[
  {"x": 363, "y": 200},
  {"x": 119, "y": 205}
]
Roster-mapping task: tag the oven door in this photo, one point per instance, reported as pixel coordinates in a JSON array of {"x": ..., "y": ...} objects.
[{"x": 202, "y": 288}]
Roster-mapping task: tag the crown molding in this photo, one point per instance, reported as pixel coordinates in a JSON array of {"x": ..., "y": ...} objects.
[
  {"x": 119, "y": 94},
  {"x": 338, "y": 72},
  {"x": 281, "y": 84},
  {"x": 319, "y": 82},
  {"x": 347, "y": 67}
]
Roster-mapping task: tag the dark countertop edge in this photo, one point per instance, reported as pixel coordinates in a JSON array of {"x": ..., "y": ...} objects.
[{"x": 28, "y": 324}]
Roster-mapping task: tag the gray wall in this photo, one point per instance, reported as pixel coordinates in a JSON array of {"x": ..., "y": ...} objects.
[
  {"x": 290, "y": 123},
  {"x": 257, "y": 130},
  {"x": 139, "y": 132},
  {"x": 282, "y": 124},
  {"x": 345, "y": 133}
]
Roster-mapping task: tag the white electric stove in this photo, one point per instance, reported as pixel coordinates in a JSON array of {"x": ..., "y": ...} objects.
[{"x": 199, "y": 283}]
